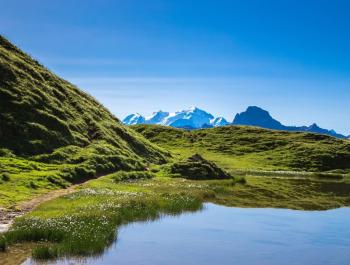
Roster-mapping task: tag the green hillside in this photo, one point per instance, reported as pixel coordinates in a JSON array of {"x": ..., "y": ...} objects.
[
  {"x": 65, "y": 134},
  {"x": 240, "y": 147}
]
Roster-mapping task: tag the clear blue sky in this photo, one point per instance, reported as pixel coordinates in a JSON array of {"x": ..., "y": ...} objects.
[{"x": 289, "y": 57}]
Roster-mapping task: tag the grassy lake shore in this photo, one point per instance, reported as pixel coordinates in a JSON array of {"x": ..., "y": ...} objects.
[{"x": 85, "y": 222}]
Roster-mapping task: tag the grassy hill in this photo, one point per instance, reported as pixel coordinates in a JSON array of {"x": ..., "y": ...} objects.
[
  {"x": 52, "y": 133},
  {"x": 241, "y": 147}
]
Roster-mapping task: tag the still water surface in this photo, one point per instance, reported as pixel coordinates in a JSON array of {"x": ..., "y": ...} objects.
[{"x": 228, "y": 236}]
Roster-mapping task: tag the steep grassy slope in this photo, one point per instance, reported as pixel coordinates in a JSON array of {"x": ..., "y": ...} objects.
[
  {"x": 46, "y": 119},
  {"x": 239, "y": 147}
]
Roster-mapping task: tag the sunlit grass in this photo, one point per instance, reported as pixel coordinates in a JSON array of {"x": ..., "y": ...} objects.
[{"x": 86, "y": 222}]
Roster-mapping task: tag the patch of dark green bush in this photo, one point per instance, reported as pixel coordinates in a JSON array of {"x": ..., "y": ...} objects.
[
  {"x": 32, "y": 185},
  {"x": 132, "y": 175},
  {"x": 240, "y": 180},
  {"x": 5, "y": 176},
  {"x": 198, "y": 168},
  {"x": 57, "y": 181},
  {"x": 6, "y": 152}
]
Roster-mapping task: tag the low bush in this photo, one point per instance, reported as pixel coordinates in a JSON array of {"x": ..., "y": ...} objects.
[
  {"x": 132, "y": 175},
  {"x": 57, "y": 181},
  {"x": 32, "y": 185},
  {"x": 196, "y": 167},
  {"x": 5, "y": 177},
  {"x": 6, "y": 152},
  {"x": 241, "y": 180}
]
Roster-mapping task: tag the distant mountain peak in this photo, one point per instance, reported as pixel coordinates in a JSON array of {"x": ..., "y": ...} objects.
[
  {"x": 193, "y": 118},
  {"x": 256, "y": 116},
  {"x": 133, "y": 119},
  {"x": 255, "y": 108},
  {"x": 196, "y": 118},
  {"x": 314, "y": 125},
  {"x": 157, "y": 117}
]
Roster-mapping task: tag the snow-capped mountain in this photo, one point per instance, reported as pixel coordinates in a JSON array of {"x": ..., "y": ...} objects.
[
  {"x": 157, "y": 117},
  {"x": 192, "y": 118},
  {"x": 219, "y": 121},
  {"x": 134, "y": 119},
  {"x": 195, "y": 118}
]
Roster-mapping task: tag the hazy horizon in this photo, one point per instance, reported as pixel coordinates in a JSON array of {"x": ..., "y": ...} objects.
[{"x": 288, "y": 57}]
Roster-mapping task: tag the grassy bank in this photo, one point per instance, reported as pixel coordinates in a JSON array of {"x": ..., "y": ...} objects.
[
  {"x": 52, "y": 134},
  {"x": 243, "y": 147},
  {"x": 84, "y": 223}
]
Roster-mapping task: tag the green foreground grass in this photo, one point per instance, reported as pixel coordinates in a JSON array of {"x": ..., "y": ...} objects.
[
  {"x": 52, "y": 134},
  {"x": 85, "y": 222}
]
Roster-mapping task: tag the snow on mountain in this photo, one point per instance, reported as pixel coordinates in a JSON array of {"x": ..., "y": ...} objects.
[
  {"x": 157, "y": 117},
  {"x": 192, "y": 118},
  {"x": 195, "y": 118},
  {"x": 219, "y": 121},
  {"x": 133, "y": 119}
]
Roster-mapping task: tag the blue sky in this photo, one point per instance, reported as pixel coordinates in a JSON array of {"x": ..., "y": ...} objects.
[{"x": 289, "y": 57}]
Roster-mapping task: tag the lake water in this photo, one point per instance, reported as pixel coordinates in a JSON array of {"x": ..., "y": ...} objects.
[{"x": 227, "y": 236}]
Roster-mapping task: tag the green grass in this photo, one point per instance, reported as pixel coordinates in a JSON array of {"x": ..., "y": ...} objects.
[
  {"x": 85, "y": 222},
  {"x": 239, "y": 147},
  {"x": 52, "y": 134},
  {"x": 40, "y": 113},
  {"x": 27, "y": 179}
]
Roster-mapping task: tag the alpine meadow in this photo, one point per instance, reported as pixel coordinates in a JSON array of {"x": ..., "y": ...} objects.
[{"x": 75, "y": 180}]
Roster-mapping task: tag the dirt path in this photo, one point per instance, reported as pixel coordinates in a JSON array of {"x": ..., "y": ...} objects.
[{"x": 7, "y": 216}]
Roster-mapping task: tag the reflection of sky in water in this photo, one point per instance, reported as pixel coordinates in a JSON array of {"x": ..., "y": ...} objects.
[{"x": 228, "y": 236}]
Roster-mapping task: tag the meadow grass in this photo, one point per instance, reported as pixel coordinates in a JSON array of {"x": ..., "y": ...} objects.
[
  {"x": 85, "y": 222},
  {"x": 53, "y": 134},
  {"x": 245, "y": 147}
]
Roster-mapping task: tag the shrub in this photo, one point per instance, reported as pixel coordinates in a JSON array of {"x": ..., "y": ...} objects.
[
  {"x": 32, "y": 185},
  {"x": 56, "y": 181},
  {"x": 132, "y": 175},
  {"x": 78, "y": 173},
  {"x": 6, "y": 152},
  {"x": 196, "y": 167},
  {"x": 5, "y": 177},
  {"x": 241, "y": 180}
]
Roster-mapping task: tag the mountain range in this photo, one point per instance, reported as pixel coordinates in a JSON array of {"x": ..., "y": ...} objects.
[{"x": 195, "y": 118}]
